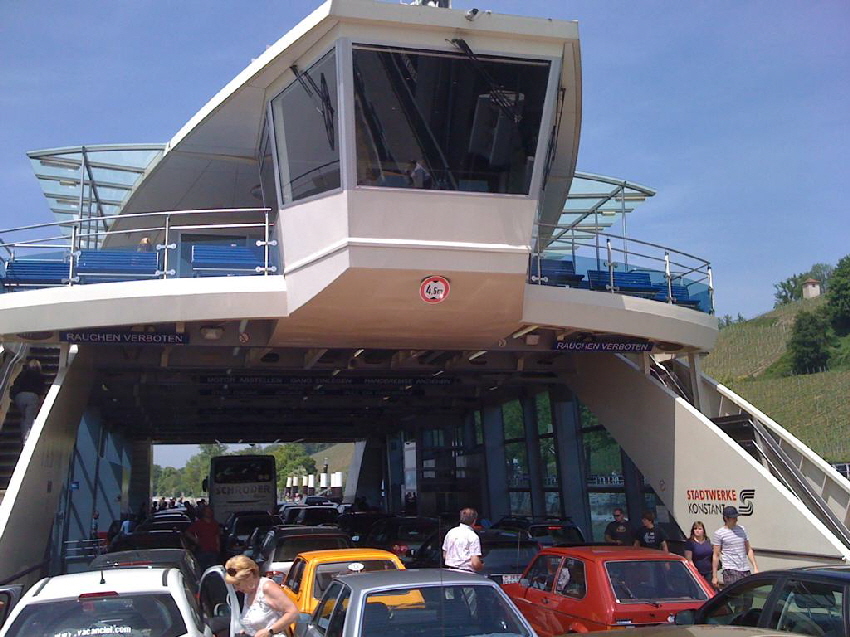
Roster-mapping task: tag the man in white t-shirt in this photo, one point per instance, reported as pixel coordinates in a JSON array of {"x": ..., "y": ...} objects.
[
  {"x": 731, "y": 548},
  {"x": 462, "y": 548}
]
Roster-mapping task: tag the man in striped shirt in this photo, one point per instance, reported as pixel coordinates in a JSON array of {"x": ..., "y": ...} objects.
[{"x": 731, "y": 548}]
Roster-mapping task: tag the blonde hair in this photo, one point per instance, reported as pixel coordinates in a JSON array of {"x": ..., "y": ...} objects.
[{"x": 244, "y": 568}]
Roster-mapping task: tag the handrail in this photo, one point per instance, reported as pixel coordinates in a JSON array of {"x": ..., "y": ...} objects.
[
  {"x": 26, "y": 571},
  {"x": 83, "y": 236},
  {"x": 671, "y": 267}
]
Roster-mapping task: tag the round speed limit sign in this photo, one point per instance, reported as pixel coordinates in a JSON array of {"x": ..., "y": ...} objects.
[{"x": 434, "y": 289}]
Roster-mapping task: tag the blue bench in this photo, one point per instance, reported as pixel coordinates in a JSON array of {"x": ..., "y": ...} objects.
[
  {"x": 680, "y": 294},
  {"x": 35, "y": 273},
  {"x": 627, "y": 282},
  {"x": 560, "y": 272},
  {"x": 210, "y": 260},
  {"x": 101, "y": 266}
]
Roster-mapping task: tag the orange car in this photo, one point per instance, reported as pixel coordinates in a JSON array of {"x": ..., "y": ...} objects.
[
  {"x": 582, "y": 588},
  {"x": 313, "y": 571}
]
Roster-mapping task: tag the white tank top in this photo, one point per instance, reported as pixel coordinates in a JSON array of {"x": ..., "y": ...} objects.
[{"x": 259, "y": 614}]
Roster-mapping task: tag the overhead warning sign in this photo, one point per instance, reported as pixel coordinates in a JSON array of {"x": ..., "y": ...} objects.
[{"x": 434, "y": 289}]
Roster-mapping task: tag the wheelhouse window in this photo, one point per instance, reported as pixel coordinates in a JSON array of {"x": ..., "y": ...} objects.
[
  {"x": 447, "y": 121},
  {"x": 306, "y": 131},
  {"x": 267, "y": 183}
]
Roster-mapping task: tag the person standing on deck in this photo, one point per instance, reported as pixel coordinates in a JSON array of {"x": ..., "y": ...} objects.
[
  {"x": 27, "y": 395},
  {"x": 732, "y": 549}
]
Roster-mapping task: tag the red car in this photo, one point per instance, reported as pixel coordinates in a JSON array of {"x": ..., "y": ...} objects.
[{"x": 576, "y": 589}]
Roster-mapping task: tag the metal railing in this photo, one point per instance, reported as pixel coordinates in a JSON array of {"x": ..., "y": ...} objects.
[
  {"x": 83, "y": 549},
  {"x": 591, "y": 249},
  {"x": 136, "y": 232}
]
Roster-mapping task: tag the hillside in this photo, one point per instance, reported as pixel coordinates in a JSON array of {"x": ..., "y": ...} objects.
[
  {"x": 339, "y": 458},
  {"x": 814, "y": 407}
]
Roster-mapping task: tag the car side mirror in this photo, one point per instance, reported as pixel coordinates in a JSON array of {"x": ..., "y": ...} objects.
[
  {"x": 523, "y": 582},
  {"x": 355, "y": 538},
  {"x": 685, "y": 617}
]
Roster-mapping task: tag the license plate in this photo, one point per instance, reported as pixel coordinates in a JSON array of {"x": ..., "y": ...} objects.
[{"x": 511, "y": 579}]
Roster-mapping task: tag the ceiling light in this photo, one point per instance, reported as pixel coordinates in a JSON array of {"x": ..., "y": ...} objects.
[
  {"x": 472, "y": 357},
  {"x": 357, "y": 353},
  {"x": 212, "y": 332}
]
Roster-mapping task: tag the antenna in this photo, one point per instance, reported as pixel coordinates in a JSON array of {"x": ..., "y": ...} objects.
[{"x": 102, "y": 579}]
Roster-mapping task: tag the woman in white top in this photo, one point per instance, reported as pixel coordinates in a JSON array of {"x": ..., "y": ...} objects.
[{"x": 267, "y": 610}]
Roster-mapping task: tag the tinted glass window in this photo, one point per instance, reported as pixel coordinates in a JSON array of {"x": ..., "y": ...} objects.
[
  {"x": 322, "y": 614},
  {"x": 306, "y": 132},
  {"x": 246, "y": 525},
  {"x": 267, "y": 171},
  {"x": 445, "y": 121},
  {"x": 413, "y": 531},
  {"x": 448, "y": 610},
  {"x": 315, "y": 515},
  {"x": 213, "y": 592},
  {"x": 507, "y": 558},
  {"x": 235, "y": 469},
  {"x": 293, "y": 578},
  {"x": 810, "y": 608},
  {"x": 659, "y": 579},
  {"x": 291, "y": 547},
  {"x": 149, "y": 615},
  {"x": 741, "y": 608}
]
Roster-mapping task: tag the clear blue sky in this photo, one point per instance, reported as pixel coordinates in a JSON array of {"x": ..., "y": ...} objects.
[{"x": 737, "y": 113}]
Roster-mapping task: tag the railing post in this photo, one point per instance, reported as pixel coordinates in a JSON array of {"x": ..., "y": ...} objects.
[
  {"x": 165, "y": 247},
  {"x": 73, "y": 251},
  {"x": 610, "y": 265},
  {"x": 266, "y": 244},
  {"x": 710, "y": 291},
  {"x": 667, "y": 276}
]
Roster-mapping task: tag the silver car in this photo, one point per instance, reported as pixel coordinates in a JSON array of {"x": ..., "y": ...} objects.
[{"x": 414, "y": 603}]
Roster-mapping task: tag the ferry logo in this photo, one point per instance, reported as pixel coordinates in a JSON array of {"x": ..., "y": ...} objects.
[
  {"x": 713, "y": 501},
  {"x": 746, "y": 507}
]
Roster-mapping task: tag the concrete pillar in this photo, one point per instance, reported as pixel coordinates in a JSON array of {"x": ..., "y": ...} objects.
[
  {"x": 695, "y": 369},
  {"x": 633, "y": 479},
  {"x": 141, "y": 463},
  {"x": 366, "y": 472},
  {"x": 569, "y": 447},
  {"x": 532, "y": 450},
  {"x": 395, "y": 472},
  {"x": 494, "y": 453}
]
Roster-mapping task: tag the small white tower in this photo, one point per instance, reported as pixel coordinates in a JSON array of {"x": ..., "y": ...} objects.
[{"x": 811, "y": 288}]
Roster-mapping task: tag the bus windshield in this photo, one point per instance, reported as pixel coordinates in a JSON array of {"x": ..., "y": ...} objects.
[{"x": 242, "y": 483}]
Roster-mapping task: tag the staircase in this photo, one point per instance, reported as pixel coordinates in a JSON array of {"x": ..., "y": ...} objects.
[
  {"x": 759, "y": 442},
  {"x": 824, "y": 493},
  {"x": 10, "y": 433}
]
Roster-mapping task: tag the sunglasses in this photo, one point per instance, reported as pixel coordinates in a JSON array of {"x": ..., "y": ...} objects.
[{"x": 232, "y": 571}]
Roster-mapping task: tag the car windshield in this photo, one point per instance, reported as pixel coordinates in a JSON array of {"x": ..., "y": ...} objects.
[
  {"x": 654, "y": 580},
  {"x": 133, "y": 615},
  {"x": 292, "y": 546},
  {"x": 246, "y": 525},
  {"x": 507, "y": 558},
  {"x": 326, "y": 572},
  {"x": 436, "y": 611}
]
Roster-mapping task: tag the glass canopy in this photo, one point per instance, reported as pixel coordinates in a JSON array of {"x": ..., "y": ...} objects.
[{"x": 90, "y": 182}]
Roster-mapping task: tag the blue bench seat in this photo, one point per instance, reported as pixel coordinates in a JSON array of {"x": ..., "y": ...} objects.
[
  {"x": 212, "y": 260},
  {"x": 35, "y": 273},
  {"x": 100, "y": 266},
  {"x": 680, "y": 294},
  {"x": 626, "y": 282},
  {"x": 560, "y": 272}
]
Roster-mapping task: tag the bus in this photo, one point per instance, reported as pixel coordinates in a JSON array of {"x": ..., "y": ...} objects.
[{"x": 241, "y": 483}]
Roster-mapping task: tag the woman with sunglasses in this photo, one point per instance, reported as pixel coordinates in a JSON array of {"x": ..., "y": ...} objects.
[{"x": 267, "y": 610}]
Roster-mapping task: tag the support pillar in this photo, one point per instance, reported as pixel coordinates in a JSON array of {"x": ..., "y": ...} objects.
[
  {"x": 395, "y": 472},
  {"x": 532, "y": 454},
  {"x": 141, "y": 462},
  {"x": 634, "y": 492},
  {"x": 695, "y": 369},
  {"x": 569, "y": 446},
  {"x": 494, "y": 453}
]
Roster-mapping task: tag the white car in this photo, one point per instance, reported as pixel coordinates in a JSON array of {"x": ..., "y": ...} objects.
[{"x": 136, "y": 602}]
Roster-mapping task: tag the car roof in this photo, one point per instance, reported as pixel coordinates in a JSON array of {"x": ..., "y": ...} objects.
[
  {"x": 605, "y": 552},
  {"x": 346, "y": 555},
  {"x": 287, "y": 531},
  {"x": 140, "y": 555},
  {"x": 838, "y": 571},
  {"x": 119, "y": 580},
  {"x": 412, "y": 577}
]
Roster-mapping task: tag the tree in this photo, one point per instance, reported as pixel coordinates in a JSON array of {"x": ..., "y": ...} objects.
[
  {"x": 823, "y": 273},
  {"x": 811, "y": 342},
  {"x": 838, "y": 297},
  {"x": 291, "y": 460},
  {"x": 789, "y": 290}
]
